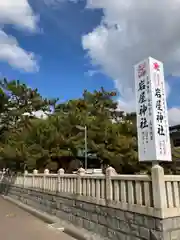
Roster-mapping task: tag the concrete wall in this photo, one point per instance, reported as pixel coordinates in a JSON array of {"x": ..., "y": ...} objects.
[{"x": 107, "y": 221}]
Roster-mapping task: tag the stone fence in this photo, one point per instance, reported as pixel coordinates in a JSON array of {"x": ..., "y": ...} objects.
[{"x": 155, "y": 197}]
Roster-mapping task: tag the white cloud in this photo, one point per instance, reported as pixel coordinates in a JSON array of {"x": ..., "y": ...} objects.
[
  {"x": 174, "y": 116},
  {"x": 91, "y": 72},
  {"x": 17, "y": 57},
  {"x": 39, "y": 114},
  {"x": 20, "y": 14},
  {"x": 129, "y": 32}
]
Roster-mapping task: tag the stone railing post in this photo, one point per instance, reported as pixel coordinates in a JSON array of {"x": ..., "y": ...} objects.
[
  {"x": 80, "y": 172},
  {"x": 4, "y": 171},
  {"x": 2, "y": 174},
  {"x": 35, "y": 172},
  {"x": 158, "y": 188},
  {"x": 60, "y": 180},
  {"x": 24, "y": 178},
  {"x": 46, "y": 172},
  {"x": 110, "y": 171}
]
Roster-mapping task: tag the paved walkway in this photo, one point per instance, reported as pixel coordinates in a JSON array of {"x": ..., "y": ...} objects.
[{"x": 16, "y": 224}]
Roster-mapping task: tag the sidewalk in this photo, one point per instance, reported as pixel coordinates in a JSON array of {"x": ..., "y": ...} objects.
[{"x": 16, "y": 224}]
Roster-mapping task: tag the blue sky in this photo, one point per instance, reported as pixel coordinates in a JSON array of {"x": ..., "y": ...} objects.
[
  {"x": 62, "y": 47},
  {"x": 63, "y": 63}
]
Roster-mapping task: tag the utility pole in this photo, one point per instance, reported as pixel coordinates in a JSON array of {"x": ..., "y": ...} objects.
[{"x": 85, "y": 142}]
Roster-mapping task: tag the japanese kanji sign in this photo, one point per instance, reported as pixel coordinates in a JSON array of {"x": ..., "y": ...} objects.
[{"x": 151, "y": 107}]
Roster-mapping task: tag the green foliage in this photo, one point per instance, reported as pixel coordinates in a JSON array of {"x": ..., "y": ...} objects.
[{"x": 39, "y": 143}]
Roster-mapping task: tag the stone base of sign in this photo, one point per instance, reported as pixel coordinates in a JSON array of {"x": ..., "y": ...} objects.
[{"x": 108, "y": 222}]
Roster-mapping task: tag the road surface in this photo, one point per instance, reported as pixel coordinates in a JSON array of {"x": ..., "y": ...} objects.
[{"x": 16, "y": 224}]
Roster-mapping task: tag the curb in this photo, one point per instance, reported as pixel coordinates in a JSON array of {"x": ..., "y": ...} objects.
[
  {"x": 41, "y": 215},
  {"x": 75, "y": 233},
  {"x": 67, "y": 228}
]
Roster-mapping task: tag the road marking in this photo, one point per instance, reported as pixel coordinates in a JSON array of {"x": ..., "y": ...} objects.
[
  {"x": 10, "y": 215},
  {"x": 51, "y": 226}
]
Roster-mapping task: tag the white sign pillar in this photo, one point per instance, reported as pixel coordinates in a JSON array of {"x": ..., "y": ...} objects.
[{"x": 152, "y": 116}]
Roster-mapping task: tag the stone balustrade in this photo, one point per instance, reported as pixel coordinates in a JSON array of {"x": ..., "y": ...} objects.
[{"x": 148, "y": 203}]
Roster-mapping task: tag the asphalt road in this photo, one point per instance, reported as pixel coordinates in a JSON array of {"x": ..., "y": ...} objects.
[{"x": 16, "y": 224}]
